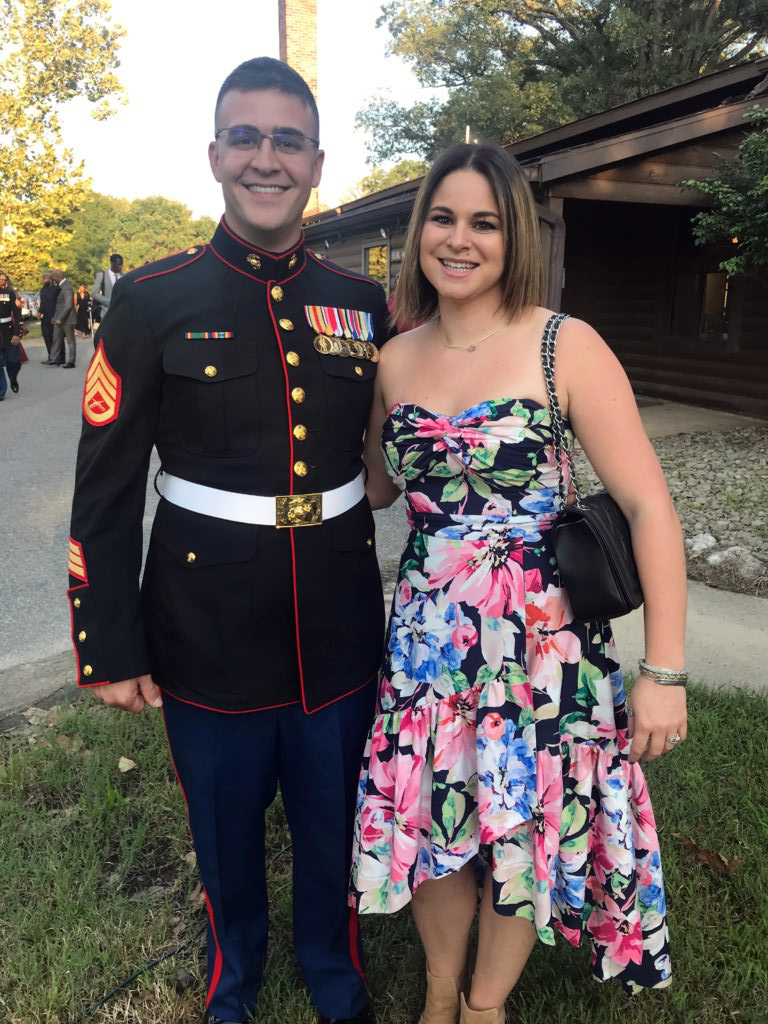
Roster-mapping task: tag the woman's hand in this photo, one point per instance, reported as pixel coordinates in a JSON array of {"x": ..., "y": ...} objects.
[{"x": 656, "y": 712}]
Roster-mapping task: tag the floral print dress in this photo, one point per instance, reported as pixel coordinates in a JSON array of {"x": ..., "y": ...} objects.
[{"x": 501, "y": 725}]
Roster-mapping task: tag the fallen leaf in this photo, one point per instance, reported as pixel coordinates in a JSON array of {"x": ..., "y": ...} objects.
[
  {"x": 197, "y": 896},
  {"x": 709, "y": 858},
  {"x": 125, "y": 764},
  {"x": 65, "y": 742},
  {"x": 191, "y": 859}
]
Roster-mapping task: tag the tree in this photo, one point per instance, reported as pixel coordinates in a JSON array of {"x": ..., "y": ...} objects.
[
  {"x": 52, "y": 52},
  {"x": 739, "y": 212},
  {"x": 141, "y": 231},
  {"x": 382, "y": 177},
  {"x": 513, "y": 68}
]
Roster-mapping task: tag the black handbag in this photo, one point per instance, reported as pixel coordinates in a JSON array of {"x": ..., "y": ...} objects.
[{"x": 592, "y": 539}]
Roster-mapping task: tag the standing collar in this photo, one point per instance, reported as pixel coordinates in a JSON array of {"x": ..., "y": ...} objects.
[{"x": 254, "y": 262}]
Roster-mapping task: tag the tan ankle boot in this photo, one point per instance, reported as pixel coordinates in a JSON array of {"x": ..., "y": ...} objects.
[
  {"x": 494, "y": 1016},
  {"x": 442, "y": 1002}
]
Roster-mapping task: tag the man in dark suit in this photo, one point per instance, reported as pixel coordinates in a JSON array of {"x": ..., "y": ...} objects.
[
  {"x": 249, "y": 363},
  {"x": 48, "y": 295},
  {"x": 63, "y": 324}
]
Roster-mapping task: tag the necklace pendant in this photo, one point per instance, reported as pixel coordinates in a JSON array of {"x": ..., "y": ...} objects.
[{"x": 471, "y": 348}]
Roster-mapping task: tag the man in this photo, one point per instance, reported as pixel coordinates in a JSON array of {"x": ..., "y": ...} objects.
[
  {"x": 101, "y": 293},
  {"x": 249, "y": 363},
  {"x": 10, "y": 337},
  {"x": 48, "y": 295},
  {"x": 63, "y": 324}
]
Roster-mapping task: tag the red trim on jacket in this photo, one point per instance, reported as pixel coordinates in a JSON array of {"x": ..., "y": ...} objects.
[
  {"x": 171, "y": 270},
  {"x": 255, "y": 248},
  {"x": 221, "y": 711},
  {"x": 233, "y": 267},
  {"x": 328, "y": 266}
]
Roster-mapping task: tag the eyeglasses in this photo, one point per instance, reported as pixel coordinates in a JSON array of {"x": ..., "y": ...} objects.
[{"x": 246, "y": 138}]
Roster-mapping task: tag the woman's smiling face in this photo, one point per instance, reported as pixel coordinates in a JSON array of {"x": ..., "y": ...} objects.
[{"x": 461, "y": 250}]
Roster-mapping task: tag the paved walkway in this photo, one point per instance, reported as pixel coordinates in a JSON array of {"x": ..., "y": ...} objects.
[{"x": 727, "y": 639}]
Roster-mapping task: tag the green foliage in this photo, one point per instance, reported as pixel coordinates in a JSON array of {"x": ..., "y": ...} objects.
[
  {"x": 381, "y": 177},
  {"x": 513, "y": 68},
  {"x": 739, "y": 195},
  {"x": 141, "y": 231},
  {"x": 53, "y": 51}
]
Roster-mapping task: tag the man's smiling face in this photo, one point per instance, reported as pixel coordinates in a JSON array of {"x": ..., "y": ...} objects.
[{"x": 265, "y": 192}]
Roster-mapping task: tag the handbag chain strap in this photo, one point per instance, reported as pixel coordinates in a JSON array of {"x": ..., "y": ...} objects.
[{"x": 559, "y": 435}]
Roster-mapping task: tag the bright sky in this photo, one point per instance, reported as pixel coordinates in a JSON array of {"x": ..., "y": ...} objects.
[{"x": 173, "y": 59}]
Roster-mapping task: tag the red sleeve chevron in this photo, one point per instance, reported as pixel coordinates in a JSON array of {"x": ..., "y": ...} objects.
[{"x": 103, "y": 387}]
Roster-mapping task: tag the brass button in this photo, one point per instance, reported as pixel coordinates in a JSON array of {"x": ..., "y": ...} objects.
[
  {"x": 87, "y": 670},
  {"x": 359, "y": 371},
  {"x": 277, "y": 293},
  {"x": 298, "y": 395},
  {"x": 76, "y": 602},
  {"x": 293, "y": 261},
  {"x": 81, "y": 635},
  {"x": 369, "y": 542},
  {"x": 253, "y": 260},
  {"x": 300, "y": 468},
  {"x": 191, "y": 557},
  {"x": 292, "y": 358},
  {"x": 287, "y": 325},
  {"x": 300, "y": 432},
  {"x": 191, "y": 252},
  {"x": 210, "y": 371}
]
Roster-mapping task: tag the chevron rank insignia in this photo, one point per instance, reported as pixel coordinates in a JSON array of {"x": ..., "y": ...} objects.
[
  {"x": 77, "y": 561},
  {"x": 101, "y": 399}
]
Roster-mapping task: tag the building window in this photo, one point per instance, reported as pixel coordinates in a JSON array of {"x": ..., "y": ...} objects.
[{"x": 376, "y": 264}]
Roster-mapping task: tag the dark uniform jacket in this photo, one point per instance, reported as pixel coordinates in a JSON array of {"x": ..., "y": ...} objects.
[
  {"x": 230, "y": 616},
  {"x": 8, "y": 308}
]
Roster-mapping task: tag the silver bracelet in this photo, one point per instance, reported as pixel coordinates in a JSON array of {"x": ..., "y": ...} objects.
[{"x": 664, "y": 676}]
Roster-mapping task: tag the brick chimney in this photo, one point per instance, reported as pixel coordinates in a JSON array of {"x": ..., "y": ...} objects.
[
  {"x": 298, "y": 47},
  {"x": 298, "y": 38}
]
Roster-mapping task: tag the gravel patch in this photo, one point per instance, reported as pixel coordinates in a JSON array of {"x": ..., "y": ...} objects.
[{"x": 719, "y": 482}]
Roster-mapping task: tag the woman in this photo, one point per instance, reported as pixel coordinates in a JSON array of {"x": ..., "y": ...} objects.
[
  {"x": 501, "y": 737},
  {"x": 10, "y": 337},
  {"x": 83, "y": 308}
]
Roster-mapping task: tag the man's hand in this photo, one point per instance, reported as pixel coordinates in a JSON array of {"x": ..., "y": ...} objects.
[
  {"x": 15, "y": 340},
  {"x": 130, "y": 694}
]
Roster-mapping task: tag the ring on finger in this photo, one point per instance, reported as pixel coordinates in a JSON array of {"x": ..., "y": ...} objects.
[{"x": 677, "y": 738}]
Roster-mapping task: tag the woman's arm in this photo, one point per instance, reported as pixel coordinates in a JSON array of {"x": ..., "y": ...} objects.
[
  {"x": 603, "y": 412},
  {"x": 379, "y": 488}
]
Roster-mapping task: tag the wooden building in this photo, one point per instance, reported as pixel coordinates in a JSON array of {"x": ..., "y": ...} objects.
[{"x": 619, "y": 240}]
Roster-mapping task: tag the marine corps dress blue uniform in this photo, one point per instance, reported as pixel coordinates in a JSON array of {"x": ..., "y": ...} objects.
[{"x": 252, "y": 373}]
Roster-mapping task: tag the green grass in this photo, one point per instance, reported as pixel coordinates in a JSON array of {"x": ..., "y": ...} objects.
[{"x": 95, "y": 880}]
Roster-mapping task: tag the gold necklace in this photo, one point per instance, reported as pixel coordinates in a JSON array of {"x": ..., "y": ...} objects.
[{"x": 473, "y": 346}]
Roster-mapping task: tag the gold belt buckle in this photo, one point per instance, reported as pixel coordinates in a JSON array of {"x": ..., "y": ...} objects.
[{"x": 298, "y": 510}]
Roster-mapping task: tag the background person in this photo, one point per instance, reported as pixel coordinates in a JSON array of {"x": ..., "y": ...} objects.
[
  {"x": 48, "y": 294},
  {"x": 502, "y": 729},
  {"x": 10, "y": 337},
  {"x": 103, "y": 284},
  {"x": 63, "y": 324},
  {"x": 83, "y": 311}
]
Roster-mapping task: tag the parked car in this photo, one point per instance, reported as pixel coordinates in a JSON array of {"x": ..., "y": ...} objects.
[{"x": 30, "y": 304}]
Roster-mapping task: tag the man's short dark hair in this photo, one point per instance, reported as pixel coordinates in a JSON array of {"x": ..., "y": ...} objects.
[
  {"x": 267, "y": 73},
  {"x": 115, "y": 256}
]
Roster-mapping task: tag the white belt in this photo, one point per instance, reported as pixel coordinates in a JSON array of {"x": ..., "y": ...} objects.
[
  {"x": 6, "y": 319},
  {"x": 280, "y": 511}
]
